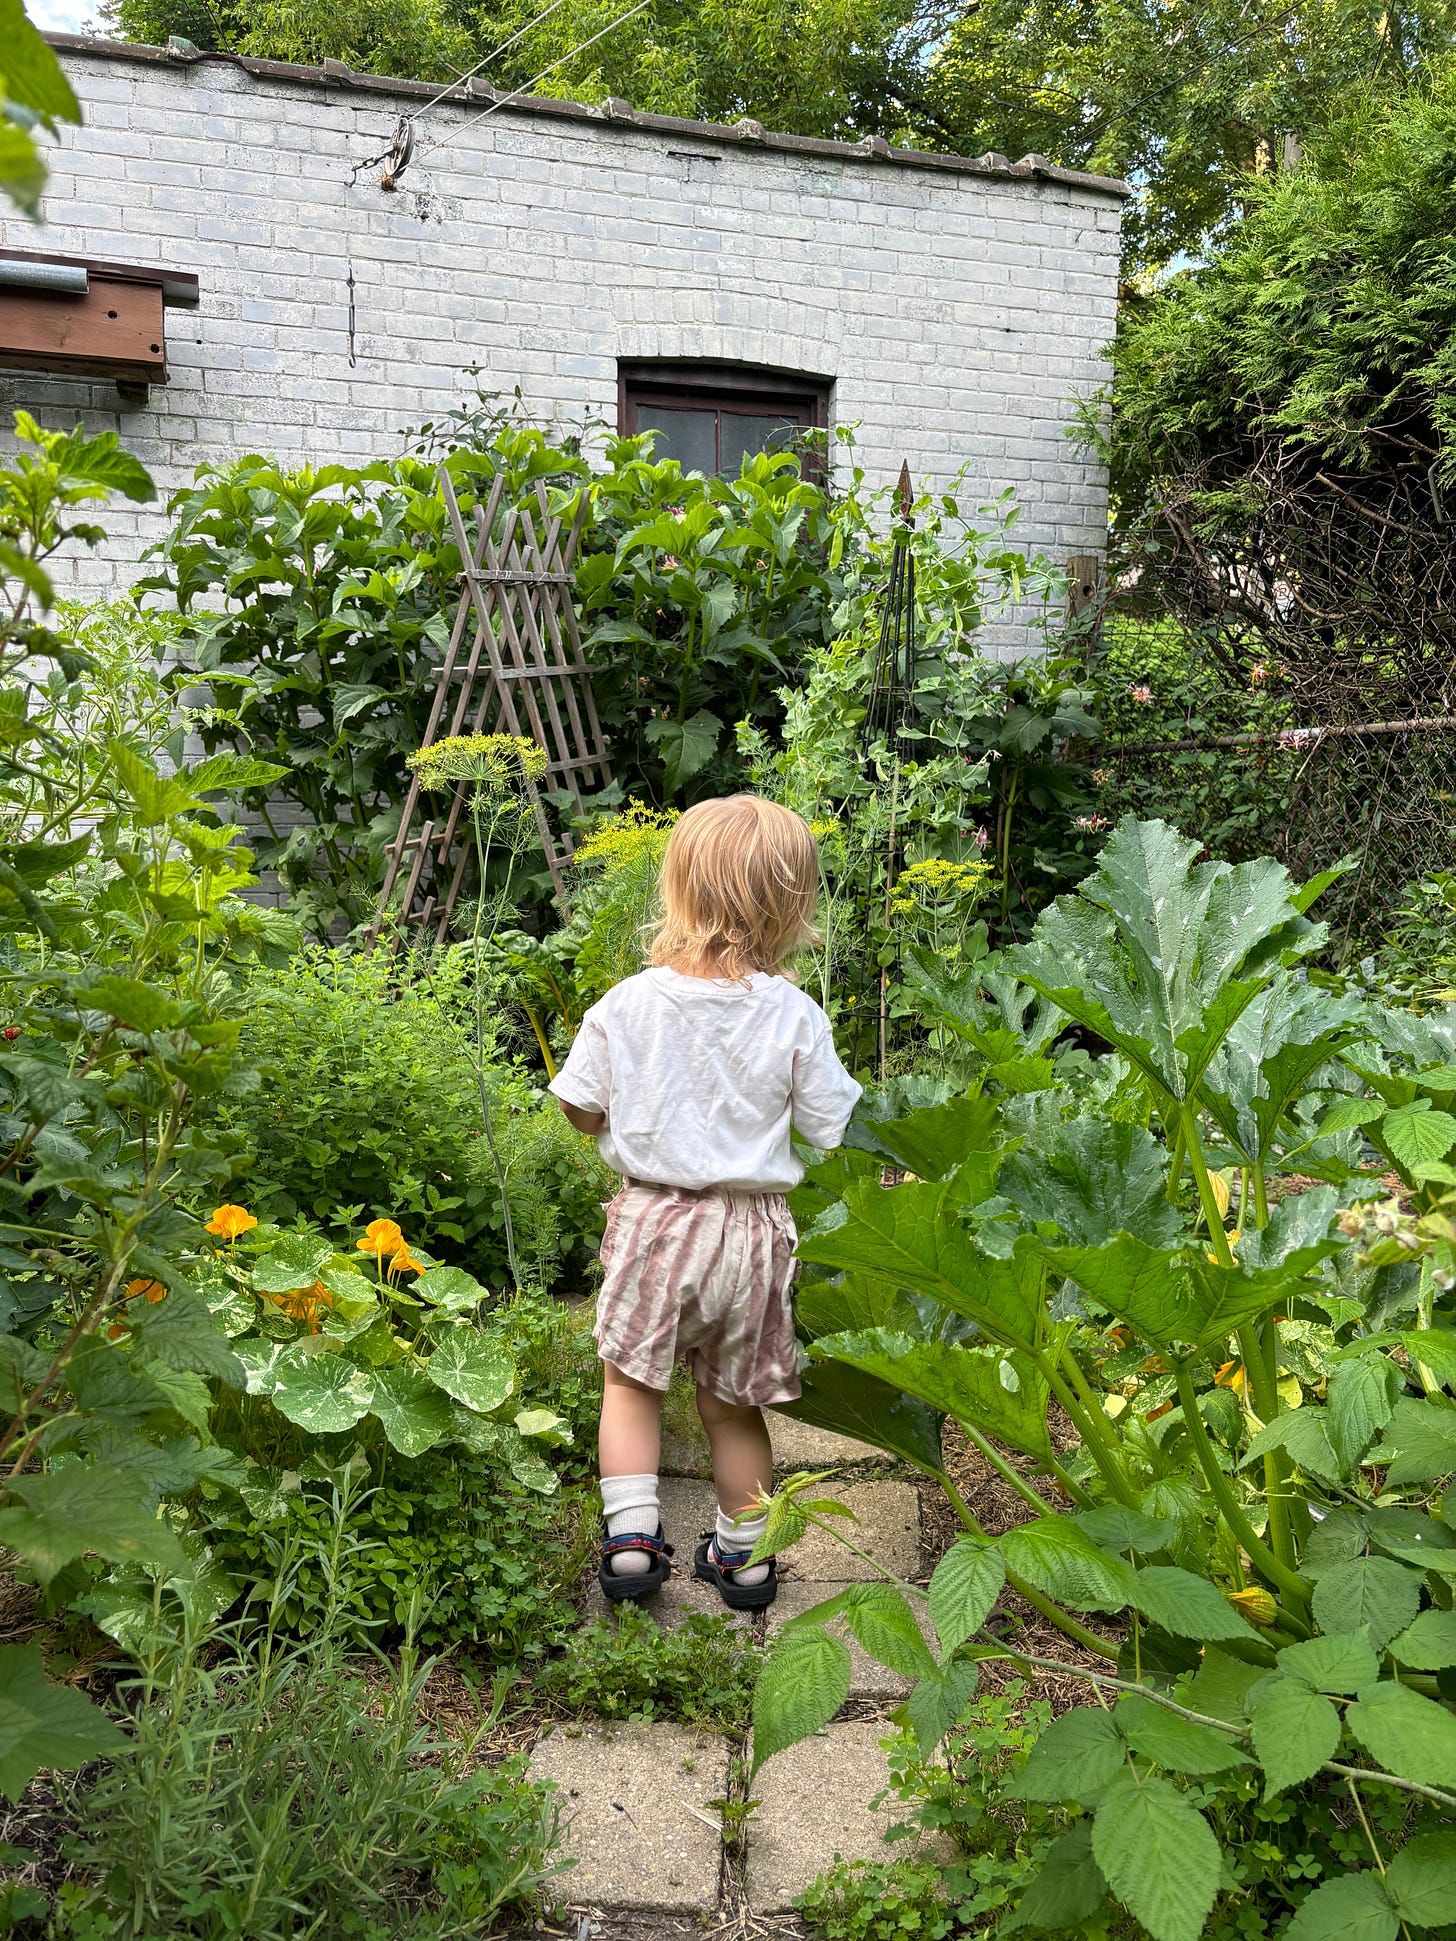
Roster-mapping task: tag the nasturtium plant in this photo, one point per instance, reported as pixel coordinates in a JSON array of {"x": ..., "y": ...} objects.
[{"x": 1252, "y": 1529}]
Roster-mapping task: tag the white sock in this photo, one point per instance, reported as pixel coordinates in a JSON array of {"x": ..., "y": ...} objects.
[
  {"x": 742, "y": 1535},
  {"x": 629, "y": 1503}
]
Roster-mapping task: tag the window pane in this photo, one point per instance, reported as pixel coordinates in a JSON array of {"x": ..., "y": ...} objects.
[
  {"x": 758, "y": 434},
  {"x": 688, "y": 436}
]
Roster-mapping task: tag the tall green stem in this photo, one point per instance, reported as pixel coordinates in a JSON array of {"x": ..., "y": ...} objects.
[
  {"x": 477, "y": 992},
  {"x": 1260, "y": 1555},
  {"x": 1087, "y": 1418}
]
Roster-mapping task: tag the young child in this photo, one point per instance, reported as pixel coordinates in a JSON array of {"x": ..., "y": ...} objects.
[{"x": 690, "y": 1075}]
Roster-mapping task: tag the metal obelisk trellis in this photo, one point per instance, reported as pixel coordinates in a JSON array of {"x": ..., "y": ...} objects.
[
  {"x": 892, "y": 682},
  {"x": 524, "y": 674}
]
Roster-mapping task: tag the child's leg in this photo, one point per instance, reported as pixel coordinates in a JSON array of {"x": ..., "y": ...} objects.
[
  {"x": 629, "y": 1445},
  {"x": 742, "y": 1470}
]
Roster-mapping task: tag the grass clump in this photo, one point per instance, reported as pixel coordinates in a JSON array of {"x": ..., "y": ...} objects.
[{"x": 700, "y": 1672}]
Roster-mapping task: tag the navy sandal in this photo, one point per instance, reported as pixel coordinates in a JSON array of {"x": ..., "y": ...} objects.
[
  {"x": 620, "y": 1586},
  {"x": 718, "y": 1567}
]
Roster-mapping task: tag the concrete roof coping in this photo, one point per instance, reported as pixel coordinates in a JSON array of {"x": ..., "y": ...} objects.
[{"x": 334, "y": 74}]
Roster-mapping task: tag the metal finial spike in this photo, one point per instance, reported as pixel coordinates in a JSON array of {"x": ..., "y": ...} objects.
[{"x": 904, "y": 491}]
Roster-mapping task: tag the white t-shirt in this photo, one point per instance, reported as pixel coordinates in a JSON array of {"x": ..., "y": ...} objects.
[{"x": 700, "y": 1079}]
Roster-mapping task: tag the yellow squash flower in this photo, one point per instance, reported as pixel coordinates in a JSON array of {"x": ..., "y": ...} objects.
[
  {"x": 1256, "y": 1605},
  {"x": 228, "y": 1222}
]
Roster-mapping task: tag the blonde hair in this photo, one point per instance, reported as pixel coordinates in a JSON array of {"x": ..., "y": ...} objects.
[{"x": 740, "y": 877}]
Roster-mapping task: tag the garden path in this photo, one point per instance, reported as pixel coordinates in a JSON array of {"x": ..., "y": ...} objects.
[{"x": 643, "y": 1801}]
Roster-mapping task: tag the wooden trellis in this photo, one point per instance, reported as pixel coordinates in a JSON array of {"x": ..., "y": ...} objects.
[{"x": 524, "y": 674}]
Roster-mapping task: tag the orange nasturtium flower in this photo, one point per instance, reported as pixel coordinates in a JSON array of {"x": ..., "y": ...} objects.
[
  {"x": 304, "y": 1303},
  {"x": 381, "y": 1237},
  {"x": 1231, "y": 1375},
  {"x": 404, "y": 1262},
  {"x": 149, "y": 1290},
  {"x": 228, "y": 1222},
  {"x": 1256, "y": 1604}
]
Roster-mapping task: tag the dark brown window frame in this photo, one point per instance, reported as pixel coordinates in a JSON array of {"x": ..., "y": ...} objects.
[{"x": 753, "y": 389}]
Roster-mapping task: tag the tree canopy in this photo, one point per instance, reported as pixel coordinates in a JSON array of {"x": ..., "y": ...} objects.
[{"x": 1187, "y": 101}]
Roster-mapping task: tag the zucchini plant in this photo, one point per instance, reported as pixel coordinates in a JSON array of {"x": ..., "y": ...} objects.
[{"x": 1146, "y": 1277}]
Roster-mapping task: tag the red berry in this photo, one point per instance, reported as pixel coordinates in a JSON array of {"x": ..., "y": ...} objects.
[{"x": 12, "y": 1032}]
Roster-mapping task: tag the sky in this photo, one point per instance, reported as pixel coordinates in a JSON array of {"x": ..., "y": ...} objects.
[{"x": 61, "y": 16}]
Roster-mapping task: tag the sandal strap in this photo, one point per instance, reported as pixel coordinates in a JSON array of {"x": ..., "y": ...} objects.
[
  {"x": 636, "y": 1540},
  {"x": 729, "y": 1560}
]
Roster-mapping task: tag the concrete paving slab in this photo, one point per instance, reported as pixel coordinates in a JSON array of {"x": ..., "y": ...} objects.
[
  {"x": 799, "y": 1445},
  {"x": 868, "y": 1677},
  {"x": 814, "y": 1803},
  {"x": 626, "y": 1791},
  {"x": 887, "y": 1525}
]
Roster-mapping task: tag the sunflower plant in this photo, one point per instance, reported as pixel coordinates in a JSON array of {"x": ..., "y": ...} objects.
[{"x": 1159, "y": 1305}]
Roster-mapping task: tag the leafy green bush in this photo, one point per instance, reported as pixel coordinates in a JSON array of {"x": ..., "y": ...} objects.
[
  {"x": 1153, "y": 683},
  {"x": 450, "y": 1554},
  {"x": 1265, "y": 1437},
  {"x": 700, "y": 1671},
  {"x": 369, "y": 1106}
]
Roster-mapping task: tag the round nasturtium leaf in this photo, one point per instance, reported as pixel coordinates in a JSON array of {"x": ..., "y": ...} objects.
[
  {"x": 475, "y": 1371},
  {"x": 413, "y": 1413},
  {"x": 321, "y": 1393}
]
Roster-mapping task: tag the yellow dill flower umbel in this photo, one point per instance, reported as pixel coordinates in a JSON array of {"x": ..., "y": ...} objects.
[{"x": 499, "y": 764}]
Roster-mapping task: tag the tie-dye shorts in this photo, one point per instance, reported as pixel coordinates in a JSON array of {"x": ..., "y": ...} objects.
[{"x": 703, "y": 1277}]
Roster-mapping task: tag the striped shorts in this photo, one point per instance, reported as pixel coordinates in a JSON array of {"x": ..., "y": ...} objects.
[{"x": 705, "y": 1277}]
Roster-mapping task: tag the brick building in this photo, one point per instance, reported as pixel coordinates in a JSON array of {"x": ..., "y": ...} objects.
[{"x": 612, "y": 267}]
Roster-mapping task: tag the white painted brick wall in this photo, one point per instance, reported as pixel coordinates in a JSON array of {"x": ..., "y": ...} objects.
[{"x": 959, "y": 314}]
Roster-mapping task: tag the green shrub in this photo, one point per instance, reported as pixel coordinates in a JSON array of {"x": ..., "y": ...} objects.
[
  {"x": 452, "y": 1554},
  {"x": 700, "y": 1671},
  {"x": 369, "y": 1106}
]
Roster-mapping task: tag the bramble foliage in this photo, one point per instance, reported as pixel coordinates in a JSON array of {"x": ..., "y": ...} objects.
[
  {"x": 1260, "y": 1485},
  {"x": 123, "y": 930}
]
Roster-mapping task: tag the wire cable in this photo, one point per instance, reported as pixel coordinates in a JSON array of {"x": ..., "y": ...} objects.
[
  {"x": 518, "y": 93},
  {"x": 485, "y": 60}
]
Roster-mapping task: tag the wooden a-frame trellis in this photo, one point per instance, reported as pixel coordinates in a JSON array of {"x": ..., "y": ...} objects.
[{"x": 524, "y": 674}]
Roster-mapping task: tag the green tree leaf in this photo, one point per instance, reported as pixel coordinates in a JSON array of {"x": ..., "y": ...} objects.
[
  {"x": 1419, "y": 1879},
  {"x": 1419, "y": 1443},
  {"x": 963, "y": 1588},
  {"x": 1058, "y": 1559},
  {"x": 413, "y": 1413},
  {"x": 1188, "y": 1606},
  {"x": 1407, "y": 1734},
  {"x": 937, "y": 1140},
  {"x": 1370, "y": 1593},
  {"x": 999, "y": 1391},
  {"x": 1429, "y": 1644},
  {"x": 880, "y": 1618},
  {"x": 45, "y": 1726},
  {"x": 1342, "y": 1663},
  {"x": 1352, "y": 1907},
  {"x": 84, "y": 1508},
  {"x": 1158, "y": 1855},
  {"x": 850, "y": 1403},
  {"x": 1415, "y": 1134},
  {"x": 1177, "y": 1743},
  {"x": 1097, "y": 1178},
  {"x": 475, "y": 1371},
  {"x": 1074, "y": 1759},
  {"x": 937, "y": 1701},
  {"x": 803, "y": 1682},
  {"x": 1305, "y": 1435},
  {"x": 1295, "y": 1731},
  {"x": 1067, "y": 1891}
]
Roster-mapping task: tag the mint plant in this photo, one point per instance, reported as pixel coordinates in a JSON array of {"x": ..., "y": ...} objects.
[{"x": 1259, "y": 1490}]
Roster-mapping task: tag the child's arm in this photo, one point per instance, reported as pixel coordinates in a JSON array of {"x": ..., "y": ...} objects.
[
  {"x": 824, "y": 1094},
  {"x": 582, "y": 1119},
  {"x": 583, "y": 1086}
]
